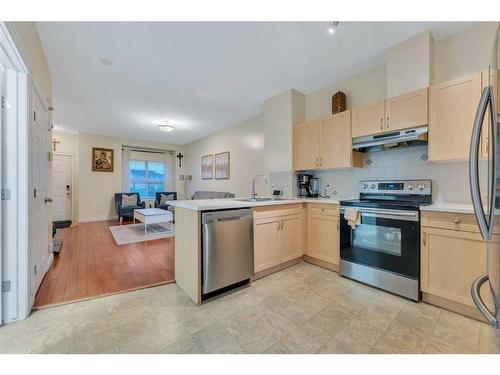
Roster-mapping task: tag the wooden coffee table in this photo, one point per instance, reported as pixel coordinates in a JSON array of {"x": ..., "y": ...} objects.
[{"x": 154, "y": 216}]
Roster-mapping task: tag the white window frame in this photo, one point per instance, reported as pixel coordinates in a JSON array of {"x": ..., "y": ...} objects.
[
  {"x": 146, "y": 180},
  {"x": 132, "y": 153}
]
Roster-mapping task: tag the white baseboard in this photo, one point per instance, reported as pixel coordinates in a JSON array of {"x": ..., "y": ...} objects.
[{"x": 91, "y": 219}]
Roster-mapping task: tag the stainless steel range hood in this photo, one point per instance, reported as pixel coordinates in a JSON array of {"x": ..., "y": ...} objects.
[{"x": 402, "y": 138}]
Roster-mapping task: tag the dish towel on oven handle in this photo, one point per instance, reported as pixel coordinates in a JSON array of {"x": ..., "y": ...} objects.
[{"x": 353, "y": 217}]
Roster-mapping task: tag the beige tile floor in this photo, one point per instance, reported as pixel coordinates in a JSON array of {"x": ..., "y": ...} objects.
[{"x": 304, "y": 309}]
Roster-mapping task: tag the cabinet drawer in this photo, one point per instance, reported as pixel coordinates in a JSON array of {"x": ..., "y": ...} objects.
[
  {"x": 323, "y": 209},
  {"x": 449, "y": 220},
  {"x": 275, "y": 211}
]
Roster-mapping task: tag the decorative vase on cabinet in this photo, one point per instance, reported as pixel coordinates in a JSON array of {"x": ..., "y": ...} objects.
[{"x": 339, "y": 102}]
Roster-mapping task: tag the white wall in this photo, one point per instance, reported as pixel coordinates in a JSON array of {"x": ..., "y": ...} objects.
[
  {"x": 245, "y": 142},
  {"x": 466, "y": 52},
  {"x": 364, "y": 88},
  {"x": 410, "y": 64}
]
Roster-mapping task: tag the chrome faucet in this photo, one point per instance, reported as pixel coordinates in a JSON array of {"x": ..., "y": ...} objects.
[{"x": 254, "y": 193}]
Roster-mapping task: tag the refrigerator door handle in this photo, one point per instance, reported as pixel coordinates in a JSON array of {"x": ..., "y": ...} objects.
[
  {"x": 476, "y": 296},
  {"x": 474, "y": 168}
]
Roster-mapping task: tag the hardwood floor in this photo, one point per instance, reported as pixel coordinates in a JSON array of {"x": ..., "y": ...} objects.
[{"x": 92, "y": 264}]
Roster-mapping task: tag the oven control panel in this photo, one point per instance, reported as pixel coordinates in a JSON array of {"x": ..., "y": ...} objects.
[{"x": 406, "y": 187}]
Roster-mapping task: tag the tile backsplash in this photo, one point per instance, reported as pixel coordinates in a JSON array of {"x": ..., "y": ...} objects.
[{"x": 450, "y": 180}]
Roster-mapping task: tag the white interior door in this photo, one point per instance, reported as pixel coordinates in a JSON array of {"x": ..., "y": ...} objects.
[
  {"x": 2, "y": 121},
  {"x": 61, "y": 186},
  {"x": 39, "y": 247}
]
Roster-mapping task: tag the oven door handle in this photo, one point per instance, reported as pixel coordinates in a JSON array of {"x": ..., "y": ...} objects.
[{"x": 386, "y": 212}]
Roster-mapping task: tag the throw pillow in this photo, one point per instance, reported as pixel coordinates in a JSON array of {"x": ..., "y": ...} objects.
[
  {"x": 166, "y": 197},
  {"x": 129, "y": 200}
]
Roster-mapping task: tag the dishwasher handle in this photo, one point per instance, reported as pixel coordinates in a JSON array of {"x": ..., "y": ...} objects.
[{"x": 229, "y": 215}]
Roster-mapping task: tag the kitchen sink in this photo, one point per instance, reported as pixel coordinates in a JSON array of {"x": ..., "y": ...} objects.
[
  {"x": 254, "y": 199},
  {"x": 261, "y": 199}
]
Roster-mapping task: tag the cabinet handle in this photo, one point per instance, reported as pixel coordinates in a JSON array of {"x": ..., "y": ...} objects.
[
  {"x": 456, "y": 221},
  {"x": 282, "y": 224},
  {"x": 425, "y": 238},
  {"x": 338, "y": 225},
  {"x": 320, "y": 161},
  {"x": 387, "y": 122},
  {"x": 382, "y": 123}
]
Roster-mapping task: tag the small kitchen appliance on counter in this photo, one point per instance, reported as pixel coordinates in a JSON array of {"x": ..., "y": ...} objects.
[
  {"x": 314, "y": 187},
  {"x": 380, "y": 240},
  {"x": 303, "y": 183}
]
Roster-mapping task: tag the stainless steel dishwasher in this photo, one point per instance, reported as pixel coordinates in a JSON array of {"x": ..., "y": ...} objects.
[{"x": 227, "y": 238}]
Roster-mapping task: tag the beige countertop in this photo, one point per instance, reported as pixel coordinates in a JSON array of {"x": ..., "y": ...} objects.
[
  {"x": 464, "y": 208},
  {"x": 221, "y": 204}
]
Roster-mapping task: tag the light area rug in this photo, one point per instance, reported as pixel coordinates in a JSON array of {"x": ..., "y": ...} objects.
[{"x": 132, "y": 233}]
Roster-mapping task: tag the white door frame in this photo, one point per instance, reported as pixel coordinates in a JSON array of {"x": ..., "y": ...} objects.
[
  {"x": 14, "y": 249},
  {"x": 71, "y": 179}
]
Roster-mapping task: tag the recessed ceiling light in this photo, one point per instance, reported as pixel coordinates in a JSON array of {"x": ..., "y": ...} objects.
[
  {"x": 165, "y": 127},
  {"x": 333, "y": 27},
  {"x": 106, "y": 62}
]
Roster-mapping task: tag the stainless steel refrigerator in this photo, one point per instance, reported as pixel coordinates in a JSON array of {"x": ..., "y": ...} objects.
[{"x": 485, "y": 192}]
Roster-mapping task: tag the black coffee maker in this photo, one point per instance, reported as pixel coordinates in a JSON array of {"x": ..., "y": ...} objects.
[{"x": 303, "y": 180}]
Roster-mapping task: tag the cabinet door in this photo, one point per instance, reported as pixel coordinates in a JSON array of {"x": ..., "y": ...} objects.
[
  {"x": 368, "y": 120},
  {"x": 323, "y": 238},
  {"x": 451, "y": 261},
  {"x": 266, "y": 252},
  {"x": 407, "y": 111},
  {"x": 336, "y": 143},
  {"x": 453, "y": 107},
  {"x": 290, "y": 237},
  {"x": 307, "y": 144}
]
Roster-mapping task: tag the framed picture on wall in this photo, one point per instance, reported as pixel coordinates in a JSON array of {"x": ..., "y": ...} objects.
[
  {"x": 207, "y": 167},
  {"x": 102, "y": 159},
  {"x": 222, "y": 166}
]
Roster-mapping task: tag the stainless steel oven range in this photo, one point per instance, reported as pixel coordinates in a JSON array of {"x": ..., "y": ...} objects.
[{"x": 382, "y": 247}]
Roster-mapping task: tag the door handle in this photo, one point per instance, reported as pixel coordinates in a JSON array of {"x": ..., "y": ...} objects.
[
  {"x": 48, "y": 200},
  {"x": 485, "y": 223},
  {"x": 478, "y": 301},
  {"x": 387, "y": 124}
]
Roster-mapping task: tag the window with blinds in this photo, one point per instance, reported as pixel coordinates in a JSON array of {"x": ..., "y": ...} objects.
[{"x": 147, "y": 173}]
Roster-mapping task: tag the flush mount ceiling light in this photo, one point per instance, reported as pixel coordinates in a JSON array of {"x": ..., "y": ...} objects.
[
  {"x": 333, "y": 27},
  {"x": 165, "y": 127},
  {"x": 106, "y": 62}
]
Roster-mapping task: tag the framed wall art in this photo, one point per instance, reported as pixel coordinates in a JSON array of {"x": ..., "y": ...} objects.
[
  {"x": 222, "y": 166},
  {"x": 207, "y": 167},
  {"x": 102, "y": 159}
]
